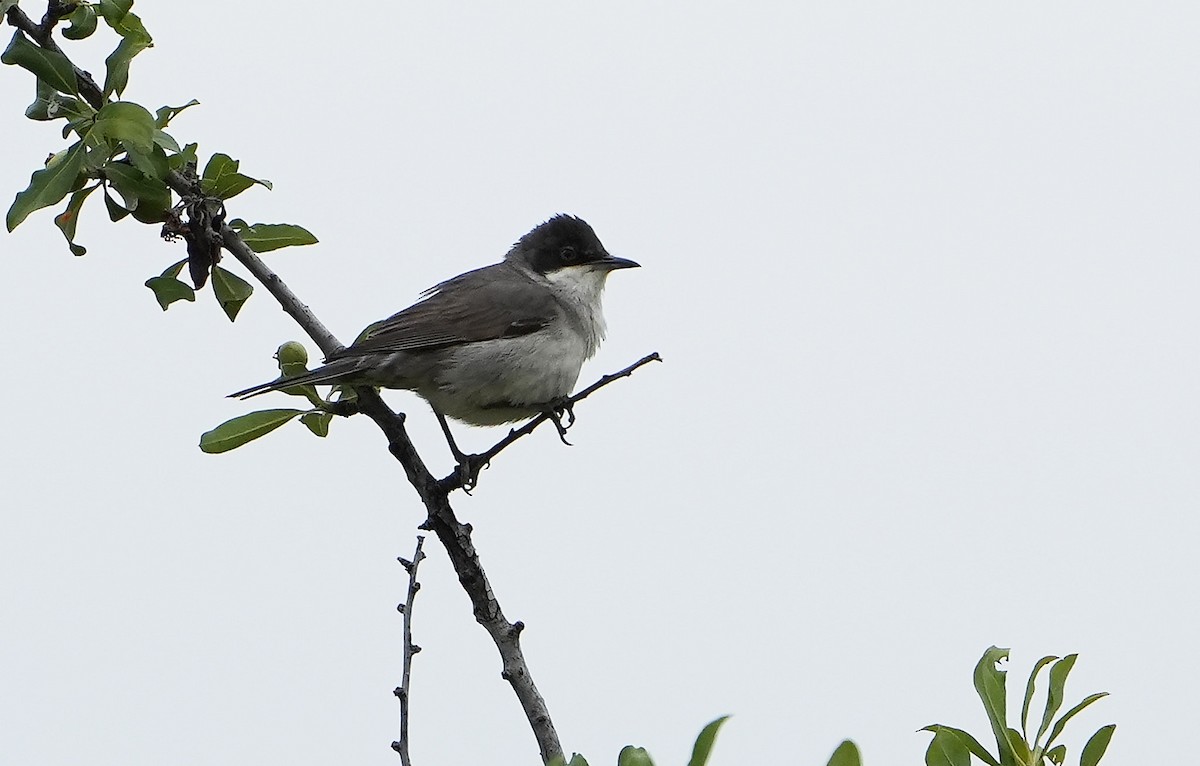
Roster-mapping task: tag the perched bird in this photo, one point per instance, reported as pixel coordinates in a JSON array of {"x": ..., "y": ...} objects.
[{"x": 494, "y": 345}]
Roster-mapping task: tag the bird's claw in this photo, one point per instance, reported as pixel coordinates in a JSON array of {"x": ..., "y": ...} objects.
[
  {"x": 556, "y": 413},
  {"x": 469, "y": 467}
]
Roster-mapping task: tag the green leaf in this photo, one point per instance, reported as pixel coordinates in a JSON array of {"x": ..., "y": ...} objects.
[
  {"x": 67, "y": 219},
  {"x": 989, "y": 684},
  {"x": 967, "y": 741},
  {"x": 167, "y": 290},
  {"x": 116, "y": 14},
  {"x": 1029, "y": 688},
  {"x": 47, "y": 186},
  {"x": 166, "y": 141},
  {"x": 51, "y": 67},
  {"x": 1057, "y": 755},
  {"x": 115, "y": 10},
  {"x": 1019, "y": 746},
  {"x": 1054, "y": 696},
  {"x": 117, "y": 63},
  {"x": 846, "y": 755},
  {"x": 83, "y": 23},
  {"x": 246, "y": 428},
  {"x": 185, "y": 157},
  {"x": 49, "y": 104},
  {"x": 165, "y": 114},
  {"x": 317, "y": 422},
  {"x": 221, "y": 179},
  {"x": 1094, "y": 750},
  {"x": 1062, "y": 722},
  {"x": 231, "y": 290},
  {"x": 704, "y": 742},
  {"x": 128, "y": 123},
  {"x": 115, "y": 211},
  {"x": 265, "y": 237},
  {"x": 147, "y": 198},
  {"x": 634, "y": 756},
  {"x": 153, "y": 163},
  {"x": 576, "y": 760},
  {"x": 947, "y": 750}
]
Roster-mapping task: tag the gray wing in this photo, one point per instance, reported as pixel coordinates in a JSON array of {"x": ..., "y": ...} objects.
[{"x": 493, "y": 302}]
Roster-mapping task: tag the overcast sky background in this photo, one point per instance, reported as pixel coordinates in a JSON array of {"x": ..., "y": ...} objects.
[{"x": 924, "y": 277}]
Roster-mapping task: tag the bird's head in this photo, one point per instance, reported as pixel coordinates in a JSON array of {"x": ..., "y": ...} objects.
[{"x": 566, "y": 245}]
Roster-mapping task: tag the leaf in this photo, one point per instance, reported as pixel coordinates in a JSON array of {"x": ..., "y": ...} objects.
[
  {"x": 83, "y": 23},
  {"x": 1054, "y": 696},
  {"x": 846, "y": 754},
  {"x": 147, "y": 198},
  {"x": 128, "y": 123},
  {"x": 116, "y": 14},
  {"x": 165, "y": 114},
  {"x": 1029, "y": 687},
  {"x": 47, "y": 186},
  {"x": 576, "y": 760},
  {"x": 67, "y": 219},
  {"x": 231, "y": 290},
  {"x": 115, "y": 10},
  {"x": 967, "y": 741},
  {"x": 1019, "y": 746},
  {"x": 167, "y": 290},
  {"x": 1057, "y": 755},
  {"x": 115, "y": 211},
  {"x": 317, "y": 422},
  {"x": 1094, "y": 750},
  {"x": 185, "y": 157},
  {"x": 265, "y": 237},
  {"x": 117, "y": 63},
  {"x": 989, "y": 684},
  {"x": 166, "y": 141},
  {"x": 245, "y": 428},
  {"x": 51, "y": 67},
  {"x": 704, "y": 742},
  {"x": 1062, "y": 722},
  {"x": 947, "y": 750},
  {"x": 221, "y": 179},
  {"x": 153, "y": 164},
  {"x": 49, "y": 104},
  {"x": 634, "y": 756}
]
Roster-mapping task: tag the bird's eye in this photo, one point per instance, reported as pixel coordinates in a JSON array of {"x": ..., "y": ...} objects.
[{"x": 568, "y": 254}]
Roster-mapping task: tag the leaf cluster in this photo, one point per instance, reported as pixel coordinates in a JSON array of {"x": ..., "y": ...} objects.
[
  {"x": 292, "y": 358},
  {"x": 124, "y": 150},
  {"x": 954, "y": 747}
]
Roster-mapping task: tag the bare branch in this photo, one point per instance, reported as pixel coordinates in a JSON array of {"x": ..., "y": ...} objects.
[
  {"x": 465, "y": 475},
  {"x": 404, "y": 690}
]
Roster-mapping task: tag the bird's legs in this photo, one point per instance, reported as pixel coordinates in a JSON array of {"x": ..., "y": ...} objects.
[{"x": 469, "y": 466}]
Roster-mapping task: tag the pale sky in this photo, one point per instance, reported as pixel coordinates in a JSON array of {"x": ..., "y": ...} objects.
[{"x": 924, "y": 278}]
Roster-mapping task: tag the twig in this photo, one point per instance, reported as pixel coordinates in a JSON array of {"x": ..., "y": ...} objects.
[
  {"x": 464, "y": 477},
  {"x": 403, "y": 691}
]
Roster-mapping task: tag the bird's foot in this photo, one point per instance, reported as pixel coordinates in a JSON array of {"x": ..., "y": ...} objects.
[
  {"x": 557, "y": 411},
  {"x": 468, "y": 470}
]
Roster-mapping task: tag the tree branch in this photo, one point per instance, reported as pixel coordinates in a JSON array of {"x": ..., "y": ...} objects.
[
  {"x": 403, "y": 691},
  {"x": 464, "y": 477}
]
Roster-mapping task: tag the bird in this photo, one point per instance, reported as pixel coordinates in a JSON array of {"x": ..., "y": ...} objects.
[{"x": 494, "y": 345}]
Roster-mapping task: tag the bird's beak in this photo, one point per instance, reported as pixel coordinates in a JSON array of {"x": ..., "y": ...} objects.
[{"x": 612, "y": 263}]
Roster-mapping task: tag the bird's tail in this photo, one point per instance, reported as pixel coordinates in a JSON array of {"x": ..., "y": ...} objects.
[{"x": 334, "y": 372}]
